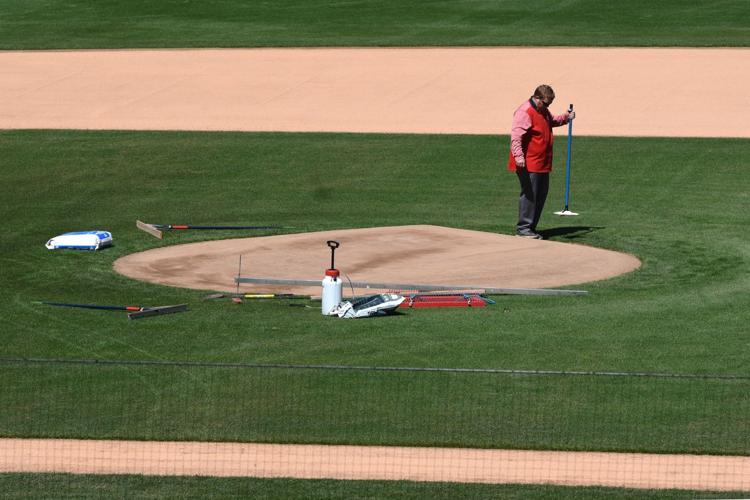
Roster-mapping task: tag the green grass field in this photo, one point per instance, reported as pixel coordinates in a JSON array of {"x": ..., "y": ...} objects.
[
  {"x": 56, "y": 24},
  {"x": 19, "y": 486},
  {"x": 685, "y": 310},
  {"x": 677, "y": 204},
  {"x": 68, "y": 486}
]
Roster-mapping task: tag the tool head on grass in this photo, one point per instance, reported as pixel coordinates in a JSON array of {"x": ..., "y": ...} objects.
[
  {"x": 149, "y": 228},
  {"x": 565, "y": 213},
  {"x": 157, "y": 230}
]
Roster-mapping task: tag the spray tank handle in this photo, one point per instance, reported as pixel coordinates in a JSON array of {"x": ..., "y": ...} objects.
[{"x": 333, "y": 245}]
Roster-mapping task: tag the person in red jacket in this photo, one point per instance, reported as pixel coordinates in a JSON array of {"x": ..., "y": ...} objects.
[{"x": 530, "y": 158}]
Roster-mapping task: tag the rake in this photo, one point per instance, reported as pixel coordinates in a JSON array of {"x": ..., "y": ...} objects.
[
  {"x": 134, "y": 312},
  {"x": 157, "y": 230}
]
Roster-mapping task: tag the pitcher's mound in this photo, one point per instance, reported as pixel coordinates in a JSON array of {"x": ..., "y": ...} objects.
[{"x": 403, "y": 254}]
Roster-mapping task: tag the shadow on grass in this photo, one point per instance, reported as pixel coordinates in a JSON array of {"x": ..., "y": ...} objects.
[{"x": 568, "y": 232}]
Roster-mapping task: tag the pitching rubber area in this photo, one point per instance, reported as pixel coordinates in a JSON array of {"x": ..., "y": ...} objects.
[{"x": 402, "y": 254}]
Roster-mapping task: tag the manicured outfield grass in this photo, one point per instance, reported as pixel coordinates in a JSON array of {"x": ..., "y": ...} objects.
[
  {"x": 303, "y": 405},
  {"x": 677, "y": 204},
  {"x": 38, "y": 24},
  {"x": 69, "y": 486}
]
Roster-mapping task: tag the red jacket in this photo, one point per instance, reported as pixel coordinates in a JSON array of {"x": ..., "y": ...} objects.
[{"x": 531, "y": 137}]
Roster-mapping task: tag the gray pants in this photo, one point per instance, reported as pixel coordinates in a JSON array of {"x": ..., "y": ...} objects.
[{"x": 534, "y": 188}]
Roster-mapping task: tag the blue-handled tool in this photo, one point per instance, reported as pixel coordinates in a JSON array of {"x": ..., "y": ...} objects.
[{"x": 566, "y": 211}]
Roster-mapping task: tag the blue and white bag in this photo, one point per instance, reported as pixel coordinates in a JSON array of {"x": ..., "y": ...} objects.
[{"x": 81, "y": 240}]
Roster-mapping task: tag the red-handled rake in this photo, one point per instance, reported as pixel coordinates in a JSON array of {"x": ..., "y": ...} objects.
[
  {"x": 157, "y": 230},
  {"x": 134, "y": 312}
]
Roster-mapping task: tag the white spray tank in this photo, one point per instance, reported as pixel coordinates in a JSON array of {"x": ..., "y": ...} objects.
[{"x": 332, "y": 284}]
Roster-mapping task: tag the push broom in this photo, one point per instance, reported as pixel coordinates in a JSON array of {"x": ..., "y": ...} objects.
[{"x": 566, "y": 211}]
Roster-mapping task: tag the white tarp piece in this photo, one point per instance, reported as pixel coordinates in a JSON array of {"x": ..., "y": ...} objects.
[
  {"x": 373, "y": 305},
  {"x": 81, "y": 240}
]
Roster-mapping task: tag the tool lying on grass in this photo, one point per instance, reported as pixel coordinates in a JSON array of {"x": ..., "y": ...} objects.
[
  {"x": 446, "y": 300},
  {"x": 158, "y": 229},
  {"x": 421, "y": 288},
  {"x": 135, "y": 312},
  {"x": 256, "y": 296}
]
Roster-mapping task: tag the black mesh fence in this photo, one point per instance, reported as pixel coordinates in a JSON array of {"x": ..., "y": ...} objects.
[{"x": 375, "y": 406}]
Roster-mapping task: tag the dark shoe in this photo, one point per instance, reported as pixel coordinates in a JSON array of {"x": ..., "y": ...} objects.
[{"x": 530, "y": 234}]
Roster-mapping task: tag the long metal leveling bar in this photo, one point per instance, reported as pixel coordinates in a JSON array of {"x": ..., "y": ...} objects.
[{"x": 412, "y": 286}]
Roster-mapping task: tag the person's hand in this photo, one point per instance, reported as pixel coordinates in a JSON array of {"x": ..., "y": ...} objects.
[
  {"x": 521, "y": 162},
  {"x": 571, "y": 115}
]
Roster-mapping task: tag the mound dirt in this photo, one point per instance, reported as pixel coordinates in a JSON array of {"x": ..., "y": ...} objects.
[{"x": 419, "y": 254}]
